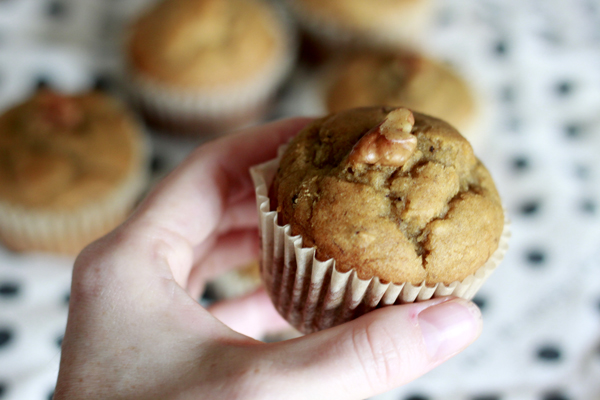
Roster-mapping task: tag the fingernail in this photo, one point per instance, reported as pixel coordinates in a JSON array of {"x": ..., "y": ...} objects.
[{"x": 449, "y": 327}]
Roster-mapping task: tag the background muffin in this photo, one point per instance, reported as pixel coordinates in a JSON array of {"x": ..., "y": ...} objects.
[
  {"x": 396, "y": 200},
  {"x": 207, "y": 65},
  {"x": 71, "y": 168},
  {"x": 363, "y": 23},
  {"x": 402, "y": 79}
]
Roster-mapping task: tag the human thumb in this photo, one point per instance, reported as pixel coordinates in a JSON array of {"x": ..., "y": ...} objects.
[{"x": 376, "y": 352}]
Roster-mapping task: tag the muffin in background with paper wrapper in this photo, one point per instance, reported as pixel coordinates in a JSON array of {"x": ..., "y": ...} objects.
[
  {"x": 403, "y": 79},
  {"x": 372, "y": 207},
  {"x": 207, "y": 66},
  {"x": 71, "y": 169}
]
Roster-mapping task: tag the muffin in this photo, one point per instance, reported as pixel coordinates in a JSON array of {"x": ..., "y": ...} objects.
[
  {"x": 364, "y": 23},
  {"x": 205, "y": 66},
  {"x": 71, "y": 168},
  {"x": 402, "y": 79},
  {"x": 375, "y": 206}
]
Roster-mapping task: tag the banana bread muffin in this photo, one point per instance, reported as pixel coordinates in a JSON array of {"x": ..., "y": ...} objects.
[
  {"x": 402, "y": 79},
  {"x": 364, "y": 23},
  {"x": 206, "y": 65},
  {"x": 390, "y": 194},
  {"x": 71, "y": 168}
]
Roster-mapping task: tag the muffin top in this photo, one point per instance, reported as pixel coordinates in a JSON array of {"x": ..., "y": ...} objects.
[
  {"x": 401, "y": 79},
  {"x": 386, "y": 20},
  {"x": 58, "y": 152},
  {"x": 203, "y": 43},
  {"x": 390, "y": 193}
]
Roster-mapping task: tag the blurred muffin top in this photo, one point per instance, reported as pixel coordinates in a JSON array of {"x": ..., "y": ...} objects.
[
  {"x": 59, "y": 151},
  {"x": 389, "y": 193},
  {"x": 400, "y": 79},
  {"x": 205, "y": 42},
  {"x": 385, "y": 21}
]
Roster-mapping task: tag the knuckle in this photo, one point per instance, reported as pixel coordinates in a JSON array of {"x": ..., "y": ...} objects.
[{"x": 97, "y": 265}]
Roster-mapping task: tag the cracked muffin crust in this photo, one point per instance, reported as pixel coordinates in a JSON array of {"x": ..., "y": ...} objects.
[{"x": 389, "y": 193}]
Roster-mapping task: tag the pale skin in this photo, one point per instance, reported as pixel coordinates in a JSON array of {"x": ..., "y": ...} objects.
[{"x": 136, "y": 331}]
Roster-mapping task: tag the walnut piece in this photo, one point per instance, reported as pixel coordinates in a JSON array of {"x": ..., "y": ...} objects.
[
  {"x": 58, "y": 112},
  {"x": 389, "y": 143}
]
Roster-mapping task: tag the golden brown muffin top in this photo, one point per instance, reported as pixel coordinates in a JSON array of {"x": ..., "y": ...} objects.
[
  {"x": 361, "y": 13},
  {"x": 58, "y": 152},
  {"x": 399, "y": 79},
  {"x": 390, "y": 193},
  {"x": 202, "y": 43}
]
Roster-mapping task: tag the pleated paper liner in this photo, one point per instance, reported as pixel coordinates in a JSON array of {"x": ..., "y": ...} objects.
[{"x": 312, "y": 295}]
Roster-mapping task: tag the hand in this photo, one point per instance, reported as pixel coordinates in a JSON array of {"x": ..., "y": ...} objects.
[{"x": 136, "y": 331}]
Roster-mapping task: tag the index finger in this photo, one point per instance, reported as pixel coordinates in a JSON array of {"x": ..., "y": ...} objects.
[{"x": 187, "y": 206}]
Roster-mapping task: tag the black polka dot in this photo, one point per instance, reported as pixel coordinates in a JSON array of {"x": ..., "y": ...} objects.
[
  {"x": 57, "y": 9},
  {"x": 50, "y": 395},
  {"x": 500, "y": 48},
  {"x": 209, "y": 296},
  {"x": 9, "y": 289},
  {"x": 417, "y": 396},
  {"x": 2, "y": 389},
  {"x": 488, "y": 396},
  {"x": 564, "y": 88},
  {"x": 59, "y": 341},
  {"x": 157, "y": 164},
  {"x": 554, "y": 395},
  {"x": 42, "y": 82},
  {"x": 573, "y": 130},
  {"x": 520, "y": 163},
  {"x": 67, "y": 298},
  {"x": 535, "y": 257},
  {"x": 480, "y": 301},
  {"x": 5, "y": 336},
  {"x": 588, "y": 206},
  {"x": 549, "y": 353},
  {"x": 102, "y": 83},
  {"x": 530, "y": 207}
]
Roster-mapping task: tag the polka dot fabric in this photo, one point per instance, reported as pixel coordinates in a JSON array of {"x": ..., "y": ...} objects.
[{"x": 536, "y": 67}]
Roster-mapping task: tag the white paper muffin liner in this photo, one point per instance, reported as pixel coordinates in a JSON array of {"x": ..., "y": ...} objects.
[
  {"x": 69, "y": 230},
  {"x": 312, "y": 295},
  {"x": 243, "y": 100},
  {"x": 407, "y": 32}
]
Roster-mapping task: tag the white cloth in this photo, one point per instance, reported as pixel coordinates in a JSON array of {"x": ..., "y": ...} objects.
[{"x": 536, "y": 65}]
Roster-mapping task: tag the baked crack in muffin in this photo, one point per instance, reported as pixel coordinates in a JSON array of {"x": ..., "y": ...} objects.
[{"x": 391, "y": 194}]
